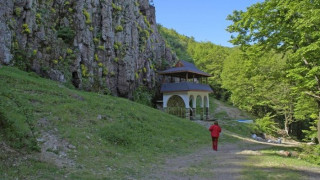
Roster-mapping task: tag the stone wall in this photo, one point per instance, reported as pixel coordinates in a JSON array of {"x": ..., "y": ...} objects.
[{"x": 94, "y": 44}]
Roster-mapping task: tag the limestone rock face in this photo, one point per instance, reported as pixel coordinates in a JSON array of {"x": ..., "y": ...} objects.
[{"x": 94, "y": 44}]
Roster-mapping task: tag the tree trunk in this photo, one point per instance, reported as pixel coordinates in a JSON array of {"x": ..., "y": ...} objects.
[
  {"x": 314, "y": 95},
  {"x": 318, "y": 128},
  {"x": 286, "y": 124}
]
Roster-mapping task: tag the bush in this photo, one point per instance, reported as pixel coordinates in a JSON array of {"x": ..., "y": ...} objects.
[
  {"x": 87, "y": 15},
  {"x": 143, "y": 96},
  {"x": 26, "y": 29},
  {"x": 311, "y": 153},
  {"x": 119, "y": 28},
  {"x": 17, "y": 11},
  {"x": 66, "y": 34},
  {"x": 117, "y": 45},
  {"x": 116, "y": 8},
  {"x": 266, "y": 125}
]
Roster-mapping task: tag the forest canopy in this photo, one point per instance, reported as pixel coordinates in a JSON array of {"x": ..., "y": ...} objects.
[
  {"x": 290, "y": 28},
  {"x": 273, "y": 70}
]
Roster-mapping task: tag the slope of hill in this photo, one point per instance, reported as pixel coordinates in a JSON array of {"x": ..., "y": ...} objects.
[{"x": 49, "y": 130}]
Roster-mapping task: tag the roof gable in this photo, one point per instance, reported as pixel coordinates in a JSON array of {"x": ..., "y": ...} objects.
[{"x": 185, "y": 67}]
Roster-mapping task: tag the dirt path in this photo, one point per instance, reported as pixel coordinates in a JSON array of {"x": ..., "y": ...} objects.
[
  {"x": 224, "y": 164},
  {"x": 231, "y": 112},
  {"x": 227, "y": 163}
]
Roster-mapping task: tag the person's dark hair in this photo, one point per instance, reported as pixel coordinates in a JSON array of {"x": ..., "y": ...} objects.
[{"x": 216, "y": 122}]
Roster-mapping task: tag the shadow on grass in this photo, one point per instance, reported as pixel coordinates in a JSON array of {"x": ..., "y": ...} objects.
[{"x": 257, "y": 172}]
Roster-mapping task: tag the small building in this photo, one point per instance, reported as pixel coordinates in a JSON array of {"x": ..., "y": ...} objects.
[{"x": 186, "y": 91}]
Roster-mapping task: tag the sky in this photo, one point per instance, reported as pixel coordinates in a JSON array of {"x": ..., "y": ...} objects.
[{"x": 205, "y": 20}]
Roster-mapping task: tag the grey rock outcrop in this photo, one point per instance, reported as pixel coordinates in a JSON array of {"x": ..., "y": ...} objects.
[{"x": 93, "y": 44}]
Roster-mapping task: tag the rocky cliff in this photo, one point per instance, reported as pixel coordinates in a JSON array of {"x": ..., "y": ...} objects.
[{"x": 94, "y": 44}]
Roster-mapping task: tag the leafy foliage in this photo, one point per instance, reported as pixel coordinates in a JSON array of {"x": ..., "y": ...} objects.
[
  {"x": 288, "y": 27},
  {"x": 311, "y": 154},
  {"x": 178, "y": 43},
  {"x": 66, "y": 34},
  {"x": 143, "y": 95},
  {"x": 205, "y": 55},
  {"x": 266, "y": 124}
]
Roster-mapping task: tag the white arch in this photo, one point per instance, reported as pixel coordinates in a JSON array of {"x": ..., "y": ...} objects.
[
  {"x": 206, "y": 101},
  {"x": 166, "y": 98},
  {"x": 201, "y": 100},
  {"x": 191, "y": 97}
]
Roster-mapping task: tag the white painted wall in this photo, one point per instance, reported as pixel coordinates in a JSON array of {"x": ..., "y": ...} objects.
[{"x": 186, "y": 95}]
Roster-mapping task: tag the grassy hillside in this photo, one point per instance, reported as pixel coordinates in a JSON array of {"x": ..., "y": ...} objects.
[{"x": 50, "y": 130}]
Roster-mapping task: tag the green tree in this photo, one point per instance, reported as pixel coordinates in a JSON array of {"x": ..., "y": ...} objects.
[
  {"x": 205, "y": 55},
  {"x": 258, "y": 84},
  {"x": 177, "y": 42},
  {"x": 287, "y": 26}
]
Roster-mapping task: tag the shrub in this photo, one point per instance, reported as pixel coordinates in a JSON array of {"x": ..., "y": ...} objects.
[
  {"x": 101, "y": 48},
  {"x": 25, "y": 29},
  {"x": 38, "y": 18},
  {"x": 69, "y": 51},
  {"x": 117, "y": 45},
  {"x": 17, "y": 11},
  {"x": 105, "y": 71},
  {"x": 116, "y": 8},
  {"x": 34, "y": 52},
  {"x": 119, "y": 28},
  {"x": 143, "y": 95},
  {"x": 87, "y": 15},
  {"x": 66, "y": 34},
  {"x": 84, "y": 71},
  {"x": 96, "y": 57},
  {"x": 311, "y": 135},
  {"x": 311, "y": 153},
  {"x": 53, "y": 10},
  {"x": 266, "y": 125},
  {"x": 96, "y": 40},
  {"x": 146, "y": 21}
]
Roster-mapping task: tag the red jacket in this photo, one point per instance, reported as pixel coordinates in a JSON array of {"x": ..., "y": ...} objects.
[{"x": 215, "y": 130}]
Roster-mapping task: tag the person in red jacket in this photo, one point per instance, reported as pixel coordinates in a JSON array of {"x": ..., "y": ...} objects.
[{"x": 215, "y": 132}]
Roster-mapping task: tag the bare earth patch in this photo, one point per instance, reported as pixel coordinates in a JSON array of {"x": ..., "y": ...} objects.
[
  {"x": 231, "y": 112},
  {"x": 53, "y": 148}
]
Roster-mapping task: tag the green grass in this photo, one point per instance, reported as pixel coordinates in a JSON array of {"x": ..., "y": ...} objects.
[
  {"x": 271, "y": 165},
  {"x": 227, "y": 122},
  {"x": 114, "y": 137}
]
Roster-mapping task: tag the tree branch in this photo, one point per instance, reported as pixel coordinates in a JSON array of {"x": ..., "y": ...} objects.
[
  {"x": 313, "y": 95},
  {"x": 309, "y": 66}
]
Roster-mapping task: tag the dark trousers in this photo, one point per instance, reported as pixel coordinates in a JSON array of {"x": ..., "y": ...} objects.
[{"x": 215, "y": 143}]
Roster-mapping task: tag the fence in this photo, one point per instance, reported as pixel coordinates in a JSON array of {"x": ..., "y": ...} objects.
[{"x": 177, "y": 111}]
